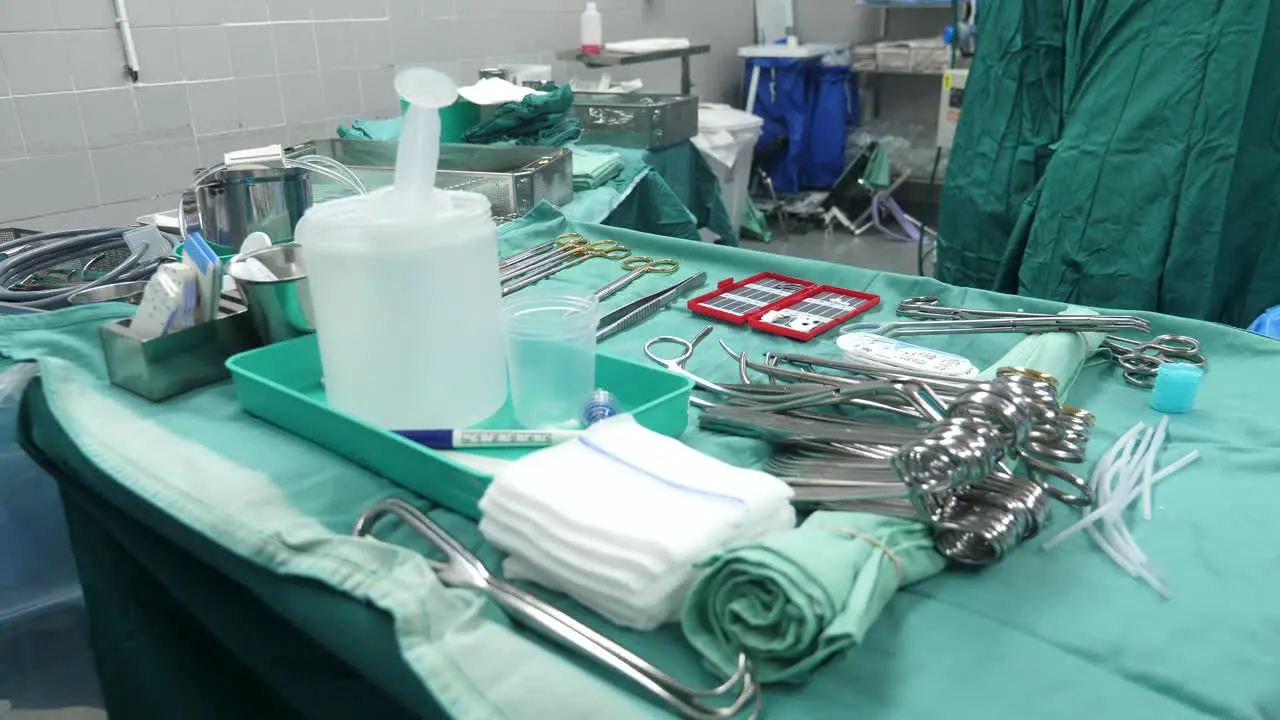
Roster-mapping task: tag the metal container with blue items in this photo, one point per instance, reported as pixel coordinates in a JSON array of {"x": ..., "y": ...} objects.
[{"x": 45, "y": 661}]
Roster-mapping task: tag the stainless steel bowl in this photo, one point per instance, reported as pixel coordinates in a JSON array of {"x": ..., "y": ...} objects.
[{"x": 280, "y": 308}]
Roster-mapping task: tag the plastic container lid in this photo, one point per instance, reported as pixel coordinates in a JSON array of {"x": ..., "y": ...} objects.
[
  {"x": 723, "y": 117},
  {"x": 1177, "y": 385}
]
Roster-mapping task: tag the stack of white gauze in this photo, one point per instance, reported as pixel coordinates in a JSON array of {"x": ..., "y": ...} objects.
[
  {"x": 1126, "y": 472},
  {"x": 619, "y": 518}
]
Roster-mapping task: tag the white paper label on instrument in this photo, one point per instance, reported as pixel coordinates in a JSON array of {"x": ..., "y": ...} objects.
[
  {"x": 814, "y": 312},
  {"x": 876, "y": 349}
]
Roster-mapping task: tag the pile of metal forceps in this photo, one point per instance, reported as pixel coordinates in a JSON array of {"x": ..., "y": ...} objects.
[
  {"x": 1139, "y": 360},
  {"x": 977, "y": 461},
  {"x": 462, "y": 569}
]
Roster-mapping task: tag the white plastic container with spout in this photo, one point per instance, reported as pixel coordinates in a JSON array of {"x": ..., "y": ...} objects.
[
  {"x": 592, "y": 30},
  {"x": 405, "y": 291}
]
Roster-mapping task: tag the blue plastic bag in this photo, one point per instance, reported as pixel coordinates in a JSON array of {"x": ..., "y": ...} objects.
[
  {"x": 1268, "y": 323},
  {"x": 785, "y": 99},
  {"x": 835, "y": 108}
]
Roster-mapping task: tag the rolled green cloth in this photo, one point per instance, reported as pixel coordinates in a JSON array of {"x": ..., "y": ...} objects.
[
  {"x": 794, "y": 600},
  {"x": 1062, "y": 355},
  {"x": 543, "y": 119}
]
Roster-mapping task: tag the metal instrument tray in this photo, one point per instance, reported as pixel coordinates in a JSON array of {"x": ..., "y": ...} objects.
[
  {"x": 515, "y": 179},
  {"x": 636, "y": 120},
  {"x": 281, "y": 384}
]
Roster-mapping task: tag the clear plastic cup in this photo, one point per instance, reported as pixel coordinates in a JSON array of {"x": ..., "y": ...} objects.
[{"x": 551, "y": 351}]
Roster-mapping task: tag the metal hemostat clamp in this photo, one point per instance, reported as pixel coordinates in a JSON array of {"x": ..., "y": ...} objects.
[
  {"x": 974, "y": 460},
  {"x": 1139, "y": 360},
  {"x": 463, "y": 569}
]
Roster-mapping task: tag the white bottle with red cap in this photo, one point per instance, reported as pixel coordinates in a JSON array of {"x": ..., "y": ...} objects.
[{"x": 592, "y": 30}]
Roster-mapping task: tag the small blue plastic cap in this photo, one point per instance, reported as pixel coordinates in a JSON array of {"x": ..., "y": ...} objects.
[{"x": 1176, "y": 387}]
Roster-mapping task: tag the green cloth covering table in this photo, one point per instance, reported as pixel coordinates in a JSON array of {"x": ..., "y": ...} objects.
[
  {"x": 241, "y": 619},
  {"x": 685, "y": 170}
]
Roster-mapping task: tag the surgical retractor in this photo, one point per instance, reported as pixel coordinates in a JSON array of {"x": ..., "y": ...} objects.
[{"x": 463, "y": 569}]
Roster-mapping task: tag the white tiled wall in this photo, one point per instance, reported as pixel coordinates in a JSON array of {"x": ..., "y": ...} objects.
[{"x": 81, "y": 145}]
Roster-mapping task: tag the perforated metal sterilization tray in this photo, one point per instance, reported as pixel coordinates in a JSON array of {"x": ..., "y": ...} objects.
[
  {"x": 515, "y": 179},
  {"x": 636, "y": 120}
]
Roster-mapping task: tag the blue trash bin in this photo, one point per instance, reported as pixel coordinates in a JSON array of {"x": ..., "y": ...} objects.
[
  {"x": 834, "y": 109},
  {"x": 784, "y": 100}
]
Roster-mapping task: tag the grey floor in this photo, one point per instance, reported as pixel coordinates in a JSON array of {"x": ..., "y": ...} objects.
[{"x": 871, "y": 251}]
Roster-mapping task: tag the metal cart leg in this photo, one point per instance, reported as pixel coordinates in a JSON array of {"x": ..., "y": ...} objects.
[{"x": 686, "y": 80}]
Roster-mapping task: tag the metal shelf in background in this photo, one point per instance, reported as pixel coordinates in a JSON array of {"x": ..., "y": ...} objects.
[
  {"x": 613, "y": 59},
  {"x": 905, "y": 6},
  {"x": 879, "y": 71}
]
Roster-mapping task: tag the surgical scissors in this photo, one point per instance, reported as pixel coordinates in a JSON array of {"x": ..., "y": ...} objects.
[
  {"x": 463, "y": 569},
  {"x": 1142, "y": 359},
  {"x": 676, "y": 364},
  {"x": 570, "y": 245},
  {"x": 637, "y": 267},
  {"x": 578, "y": 254}
]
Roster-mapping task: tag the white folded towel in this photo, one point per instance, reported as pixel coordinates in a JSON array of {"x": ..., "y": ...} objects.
[
  {"x": 620, "y": 518},
  {"x": 635, "y": 47},
  {"x": 576, "y": 557},
  {"x": 660, "y": 602},
  {"x": 616, "y": 479}
]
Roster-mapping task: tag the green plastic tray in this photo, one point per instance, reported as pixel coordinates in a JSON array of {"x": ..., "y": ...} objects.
[
  {"x": 281, "y": 384},
  {"x": 224, "y": 252}
]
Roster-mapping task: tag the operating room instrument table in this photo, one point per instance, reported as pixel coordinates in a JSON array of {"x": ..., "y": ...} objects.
[{"x": 231, "y": 617}]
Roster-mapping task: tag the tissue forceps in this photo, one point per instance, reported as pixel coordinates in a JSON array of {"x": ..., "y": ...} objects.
[
  {"x": 1030, "y": 325},
  {"x": 1141, "y": 359},
  {"x": 464, "y": 569},
  {"x": 928, "y": 307},
  {"x": 637, "y": 267}
]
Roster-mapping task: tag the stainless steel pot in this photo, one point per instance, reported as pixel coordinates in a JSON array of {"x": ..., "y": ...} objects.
[{"x": 238, "y": 200}]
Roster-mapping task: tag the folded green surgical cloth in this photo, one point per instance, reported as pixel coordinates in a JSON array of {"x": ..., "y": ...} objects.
[
  {"x": 794, "y": 600},
  {"x": 1059, "y": 354},
  {"x": 543, "y": 120},
  {"x": 593, "y": 169},
  {"x": 372, "y": 129}
]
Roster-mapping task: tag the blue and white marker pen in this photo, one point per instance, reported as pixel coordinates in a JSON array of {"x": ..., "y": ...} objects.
[{"x": 463, "y": 439}]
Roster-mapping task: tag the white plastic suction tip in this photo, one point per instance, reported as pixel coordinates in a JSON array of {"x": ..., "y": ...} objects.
[
  {"x": 418, "y": 155},
  {"x": 425, "y": 87},
  {"x": 255, "y": 241}
]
